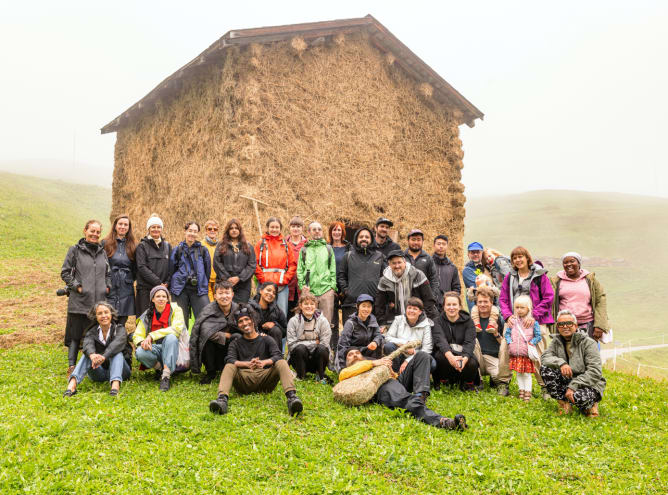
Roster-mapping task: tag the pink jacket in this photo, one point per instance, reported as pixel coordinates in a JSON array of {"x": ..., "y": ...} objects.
[{"x": 517, "y": 346}]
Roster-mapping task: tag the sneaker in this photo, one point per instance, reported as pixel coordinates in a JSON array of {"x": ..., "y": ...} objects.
[
  {"x": 295, "y": 405},
  {"x": 219, "y": 406},
  {"x": 502, "y": 390},
  {"x": 69, "y": 393},
  {"x": 593, "y": 412},
  {"x": 164, "y": 384},
  {"x": 206, "y": 379},
  {"x": 113, "y": 392}
]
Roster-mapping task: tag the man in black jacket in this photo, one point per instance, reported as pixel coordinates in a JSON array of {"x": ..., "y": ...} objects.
[
  {"x": 213, "y": 331},
  {"x": 153, "y": 266},
  {"x": 399, "y": 282},
  {"x": 382, "y": 242},
  {"x": 446, "y": 271},
  {"x": 254, "y": 364},
  {"x": 359, "y": 272},
  {"x": 419, "y": 258}
]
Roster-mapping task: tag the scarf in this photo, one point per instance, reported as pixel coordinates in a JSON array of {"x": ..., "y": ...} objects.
[
  {"x": 412, "y": 277},
  {"x": 161, "y": 321},
  {"x": 209, "y": 241}
]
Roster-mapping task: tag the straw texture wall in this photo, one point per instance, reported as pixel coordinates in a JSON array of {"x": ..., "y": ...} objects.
[{"x": 327, "y": 131}]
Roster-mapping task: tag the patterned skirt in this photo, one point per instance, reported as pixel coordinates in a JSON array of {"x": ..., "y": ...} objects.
[{"x": 521, "y": 364}]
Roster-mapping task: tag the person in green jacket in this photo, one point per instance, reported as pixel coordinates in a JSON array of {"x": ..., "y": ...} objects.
[
  {"x": 316, "y": 271},
  {"x": 571, "y": 368}
]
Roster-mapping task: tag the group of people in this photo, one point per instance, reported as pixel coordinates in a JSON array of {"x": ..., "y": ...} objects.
[{"x": 386, "y": 296}]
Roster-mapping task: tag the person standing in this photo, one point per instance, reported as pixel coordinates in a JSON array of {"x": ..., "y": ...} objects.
[
  {"x": 120, "y": 246},
  {"x": 447, "y": 273},
  {"x": 359, "y": 272},
  {"x": 337, "y": 239},
  {"x": 382, "y": 241},
  {"x": 316, "y": 271},
  {"x": 275, "y": 262},
  {"x": 211, "y": 228},
  {"x": 295, "y": 242},
  {"x": 152, "y": 259},
  {"x": 473, "y": 268},
  {"x": 191, "y": 273},
  {"x": 234, "y": 260},
  {"x": 419, "y": 258},
  {"x": 87, "y": 276}
]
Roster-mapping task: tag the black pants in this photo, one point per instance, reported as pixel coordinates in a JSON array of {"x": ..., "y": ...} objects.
[
  {"x": 556, "y": 384},
  {"x": 393, "y": 394},
  {"x": 346, "y": 312},
  {"x": 187, "y": 300},
  {"x": 304, "y": 360},
  {"x": 276, "y": 334},
  {"x": 213, "y": 357},
  {"x": 415, "y": 378},
  {"x": 242, "y": 291},
  {"x": 142, "y": 300},
  {"x": 446, "y": 373},
  {"x": 390, "y": 347}
]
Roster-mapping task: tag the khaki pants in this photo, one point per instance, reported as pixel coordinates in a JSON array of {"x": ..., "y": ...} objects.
[
  {"x": 325, "y": 304},
  {"x": 495, "y": 367},
  {"x": 247, "y": 381}
]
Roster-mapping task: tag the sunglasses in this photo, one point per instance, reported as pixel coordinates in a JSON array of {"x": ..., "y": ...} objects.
[
  {"x": 565, "y": 324},
  {"x": 212, "y": 229}
]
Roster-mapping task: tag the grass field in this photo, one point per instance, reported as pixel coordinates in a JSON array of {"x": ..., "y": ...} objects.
[{"x": 145, "y": 441}]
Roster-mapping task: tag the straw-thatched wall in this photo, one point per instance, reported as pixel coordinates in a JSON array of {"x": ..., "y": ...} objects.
[{"x": 330, "y": 131}]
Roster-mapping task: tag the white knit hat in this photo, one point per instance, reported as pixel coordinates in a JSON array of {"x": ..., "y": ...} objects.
[
  {"x": 154, "y": 220},
  {"x": 572, "y": 254}
]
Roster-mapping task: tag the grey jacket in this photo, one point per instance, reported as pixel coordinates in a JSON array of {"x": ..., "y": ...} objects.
[
  {"x": 89, "y": 269},
  {"x": 296, "y": 332},
  {"x": 585, "y": 361}
]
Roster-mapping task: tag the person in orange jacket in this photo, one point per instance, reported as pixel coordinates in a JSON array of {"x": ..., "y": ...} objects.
[{"x": 275, "y": 261}]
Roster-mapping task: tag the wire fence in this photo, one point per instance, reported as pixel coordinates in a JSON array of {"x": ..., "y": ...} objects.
[{"x": 623, "y": 351}]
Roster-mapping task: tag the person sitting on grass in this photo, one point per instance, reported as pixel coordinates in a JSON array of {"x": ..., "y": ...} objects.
[
  {"x": 362, "y": 332},
  {"x": 105, "y": 351},
  {"x": 309, "y": 336},
  {"x": 157, "y": 334},
  {"x": 254, "y": 364},
  {"x": 571, "y": 368},
  {"x": 397, "y": 393},
  {"x": 271, "y": 318},
  {"x": 213, "y": 331}
]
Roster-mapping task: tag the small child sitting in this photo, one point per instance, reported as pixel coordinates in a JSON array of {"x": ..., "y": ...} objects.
[
  {"x": 521, "y": 331},
  {"x": 483, "y": 280}
]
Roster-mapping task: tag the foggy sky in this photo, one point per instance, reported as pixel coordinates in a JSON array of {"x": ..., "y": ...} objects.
[{"x": 573, "y": 93}]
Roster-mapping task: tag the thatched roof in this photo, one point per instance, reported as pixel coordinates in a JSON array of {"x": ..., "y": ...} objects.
[{"x": 313, "y": 32}]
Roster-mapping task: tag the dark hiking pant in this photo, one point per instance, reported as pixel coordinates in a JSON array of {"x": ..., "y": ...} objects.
[
  {"x": 213, "y": 356},
  {"x": 447, "y": 374},
  {"x": 189, "y": 300},
  {"x": 557, "y": 384},
  {"x": 393, "y": 394},
  {"x": 314, "y": 360},
  {"x": 247, "y": 381},
  {"x": 390, "y": 347}
]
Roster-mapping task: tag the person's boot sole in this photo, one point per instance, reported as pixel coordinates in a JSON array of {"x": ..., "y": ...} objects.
[
  {"x": 460, "y": 422},
  {"x": 295, "y": 408},
  {"x": 216, "y": 408}
]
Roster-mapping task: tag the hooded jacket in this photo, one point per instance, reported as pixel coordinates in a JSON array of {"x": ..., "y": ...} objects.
[
  {"x": 273, "y": 313},
  {"x": 230, "y": 262},
  {"x": 210, "y": 320},
  {"x": 296, "y": 331},
  {"x": 585, "y": 361},
  {"x": 426, "y": 265},
  {"x": 117, "y": 341},
  {"x": 460, "y": 333},
  {"x": 448, "y": 277},
  {"x": 153, "y": 263},
  {"x": 401, "y": 332},
  {"x": 541, "y": 294},
  {"x": 386, "y": 248},
  {"x": 357, "y": 334},
  {"x": 388, "y": 294},
  {"x": 316, "y": 267},
  {"x": 275, "y": 261},
  {"x": 359, "y": 271},
  {"x": 187, "y": 261},
  {"x": 598, "y": 300},
  {"x": 87, "y": 267}
]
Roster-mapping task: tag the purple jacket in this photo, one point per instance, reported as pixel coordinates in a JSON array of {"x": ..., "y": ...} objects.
[{"x": 541, "y": 294}]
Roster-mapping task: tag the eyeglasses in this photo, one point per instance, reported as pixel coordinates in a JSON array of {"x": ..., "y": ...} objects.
[
  {"x": 565, "y": 324},
  {"x": 212, "y": 229}
]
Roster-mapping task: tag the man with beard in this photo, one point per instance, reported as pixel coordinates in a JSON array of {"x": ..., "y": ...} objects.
[
  {"x": 446, "y": 271},
  {"x": 359, "y": 271},
  {"x": 382, "y": 241},
  {"x": 419, "y": 258}
]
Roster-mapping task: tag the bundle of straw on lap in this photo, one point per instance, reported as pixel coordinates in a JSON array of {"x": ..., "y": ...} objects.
[{"x": 361, "y": 388}]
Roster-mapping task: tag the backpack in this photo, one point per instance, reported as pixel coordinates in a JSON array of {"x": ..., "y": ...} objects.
[
  {"x": 263, "y": 246},
  {"x": 330, "y": 253},
  {"x": 179, "y": 254}
]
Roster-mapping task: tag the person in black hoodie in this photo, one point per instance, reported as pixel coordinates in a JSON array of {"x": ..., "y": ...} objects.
[
  {"x": 382, "y": 242},
  {"x": 153, "y": 266},
  {"x": 419, "y": 258},
  {"x": 87, "y": 276},
  {"x": 358, "y": 272},
  {"x": 213, "y": 331},
  {"x": 106, "y": 351},
  {"x": 454, "y": 342},
  {"x": 270, "y": 319},
  {"x": 254, "y": 364},
  {"x": 361, "y": 332},
  {"x": 446, "y": 271}
]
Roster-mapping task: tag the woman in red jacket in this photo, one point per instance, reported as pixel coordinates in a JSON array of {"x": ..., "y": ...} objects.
[{"x": 275, "y": 261}]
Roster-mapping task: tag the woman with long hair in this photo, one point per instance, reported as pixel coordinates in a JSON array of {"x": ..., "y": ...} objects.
[
  {"x": 120, "y": 245},
  {"x": 234, "y": 260},
  {"x": 337, "y": 239}
]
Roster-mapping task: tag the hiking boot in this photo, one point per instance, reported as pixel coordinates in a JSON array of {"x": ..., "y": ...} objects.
[
  {"x": 545, "y": 394},
  {"x": 593, "y": 412},
  {"x": 164, "y": 384},
  {"x": 70, "y": 370},
  {"x": 295, "y": 405},
  {"x": 219, "y": 406},
  {"x": 69, "y": 393},
  {"x": 469, "y": 387},
  {"x": 502, "y": 390},
  {"x": 206, "y": 379},
  {"x": 459, "y": 423},
  {"x": 564, "y": 407}
]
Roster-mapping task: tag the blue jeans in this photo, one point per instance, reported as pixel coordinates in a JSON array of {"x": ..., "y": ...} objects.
[
  {"x": 166, "y": 352},
  {"x": 118, "y": 370},
  {"x": 397, "y": 361}
]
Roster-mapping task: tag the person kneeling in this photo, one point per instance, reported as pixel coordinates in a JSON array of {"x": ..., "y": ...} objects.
[
  {"x": 254, "y": 364},
  {"x": 104, "y": 346},
  {"x": 157, "y": 334},
  {"x": 309, "y": 334},
  {"x": 396, "y": 393}
]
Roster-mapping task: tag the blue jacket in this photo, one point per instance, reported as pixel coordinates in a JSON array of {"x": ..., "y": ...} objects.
[{"x": 185, "y": 261}]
